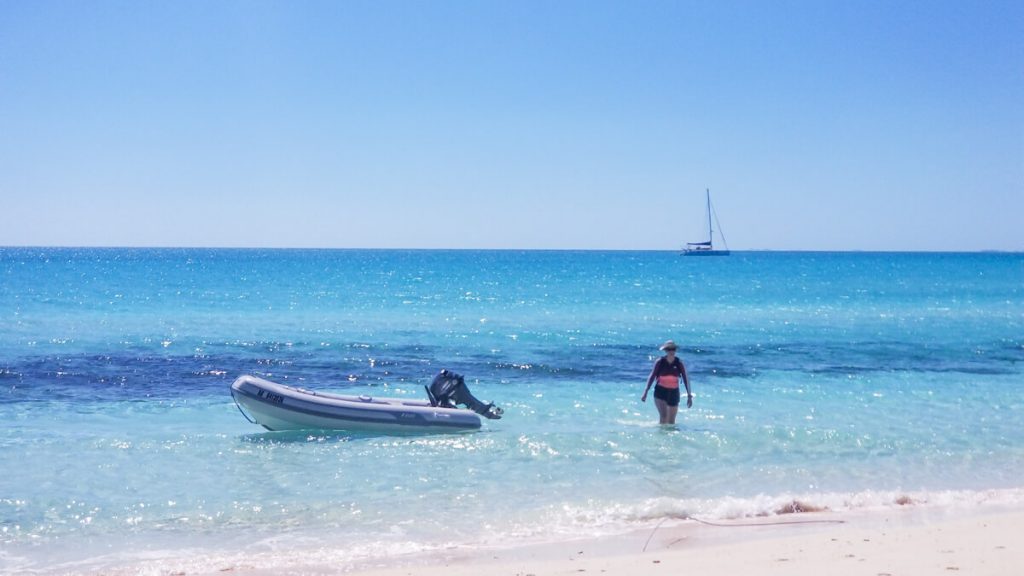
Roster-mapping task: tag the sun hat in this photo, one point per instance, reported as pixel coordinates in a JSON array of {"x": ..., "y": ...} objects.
[{"x": 668, "y": 345}]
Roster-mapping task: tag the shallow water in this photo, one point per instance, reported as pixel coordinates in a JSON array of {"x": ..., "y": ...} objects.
[{"x": 844, "y": 380}]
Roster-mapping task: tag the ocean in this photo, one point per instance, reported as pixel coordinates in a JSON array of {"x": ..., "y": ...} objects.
[{"x": 850, "y": 381}]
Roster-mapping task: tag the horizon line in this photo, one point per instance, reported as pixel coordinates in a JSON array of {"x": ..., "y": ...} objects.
[{"x": 508, "y": 249}]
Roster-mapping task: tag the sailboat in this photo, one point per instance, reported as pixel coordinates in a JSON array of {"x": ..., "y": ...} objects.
[{"x": 707, "y": 248}]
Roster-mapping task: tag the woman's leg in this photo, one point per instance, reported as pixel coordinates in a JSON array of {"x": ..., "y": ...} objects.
[
  {"x": 670, "y": 413},
  {"x": 662, "y": 410}
]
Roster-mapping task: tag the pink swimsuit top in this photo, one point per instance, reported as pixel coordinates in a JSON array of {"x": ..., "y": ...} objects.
[{"x": 668, "y": 381}]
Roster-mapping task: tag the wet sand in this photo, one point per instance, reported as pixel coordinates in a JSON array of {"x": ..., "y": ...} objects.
[{"x": 894, "y": 542}]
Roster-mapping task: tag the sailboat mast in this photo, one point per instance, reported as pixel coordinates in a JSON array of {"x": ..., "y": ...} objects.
[{"x": 711, "y": 238}]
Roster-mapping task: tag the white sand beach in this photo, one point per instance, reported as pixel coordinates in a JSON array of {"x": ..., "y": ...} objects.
[{"x": 895, "y": 542}]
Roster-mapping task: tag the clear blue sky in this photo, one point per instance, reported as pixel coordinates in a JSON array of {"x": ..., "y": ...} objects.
[{"x": 860, "y": 125}]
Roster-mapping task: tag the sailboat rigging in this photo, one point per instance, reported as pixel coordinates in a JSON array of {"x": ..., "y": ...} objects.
[{"x": 707, "y": 248}]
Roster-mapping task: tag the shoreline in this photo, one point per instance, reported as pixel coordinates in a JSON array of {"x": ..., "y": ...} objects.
[
  {"x": 895, "y": 534},
  {"x": 907, "y": 536},
  {"x": 883, "y": 542}
]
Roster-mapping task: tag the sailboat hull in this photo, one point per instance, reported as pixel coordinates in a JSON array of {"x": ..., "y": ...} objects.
[{"x": 706, "y": 252}]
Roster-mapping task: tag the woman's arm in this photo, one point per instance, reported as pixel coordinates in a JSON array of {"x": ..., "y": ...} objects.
[
  {"x": 650, "y": 379},
  {"x": 686, "y": 381}
]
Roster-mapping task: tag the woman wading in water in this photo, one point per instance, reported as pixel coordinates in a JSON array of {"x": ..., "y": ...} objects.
[{"x": 667, "y": 372}]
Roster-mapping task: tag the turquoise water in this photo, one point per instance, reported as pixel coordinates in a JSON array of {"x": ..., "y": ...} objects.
[{"x": 844, "y": 380}]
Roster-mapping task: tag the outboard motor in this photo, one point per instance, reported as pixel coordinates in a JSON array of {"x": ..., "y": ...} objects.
[{"x": 449, "y": 390}]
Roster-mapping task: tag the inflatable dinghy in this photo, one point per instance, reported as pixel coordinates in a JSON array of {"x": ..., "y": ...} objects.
[{"x": 279, "y": 407}]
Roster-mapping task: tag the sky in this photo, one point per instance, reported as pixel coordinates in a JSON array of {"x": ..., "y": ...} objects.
[{"x": 817, "y": 124}]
